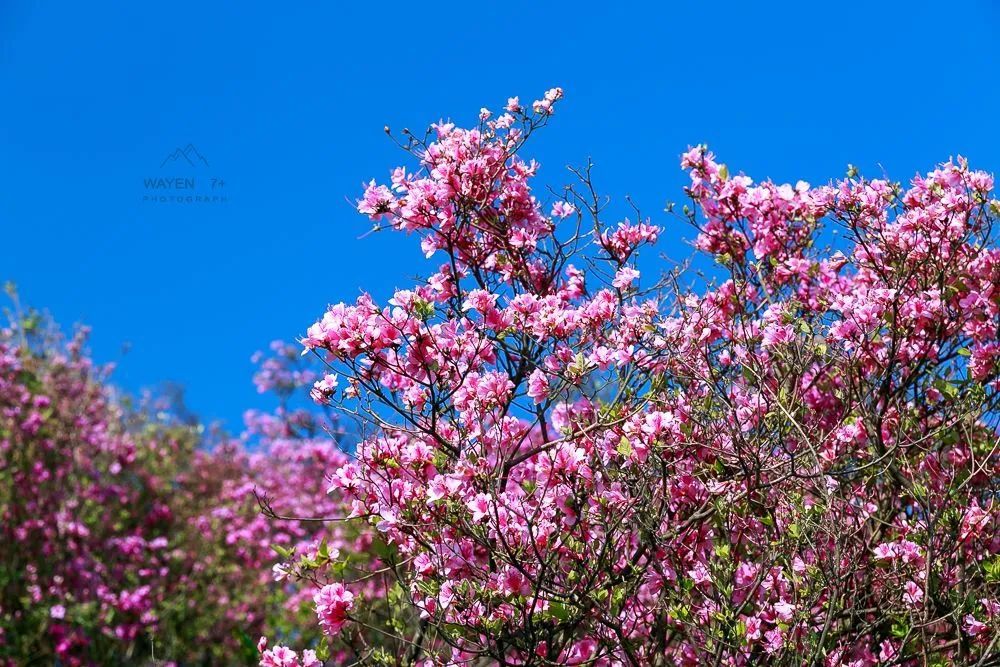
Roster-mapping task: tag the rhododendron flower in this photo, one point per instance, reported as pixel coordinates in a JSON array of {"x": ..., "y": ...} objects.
[
  {"x": 972, "y": 626},
  {"x": 378, "y": 202},
  {"x": 333, "y": 602},
  {"x": 282, "y": 656},
  {"x": 625, "y": 277},
  {"x": 773, "y": 640},
  {"x": 479, "y": 506},
  {"x": 324, "y": 389},
  {"x": 545, "y": 105},
  {"x": 913, "y": 594},
  {"x": 784, "y": 610},
  {"x": 562, "y": 209},
  {"x": 538, "y": 385}
]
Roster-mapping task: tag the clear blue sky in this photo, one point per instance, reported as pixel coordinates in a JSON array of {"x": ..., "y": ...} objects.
[{"x": 286, "y": 103}]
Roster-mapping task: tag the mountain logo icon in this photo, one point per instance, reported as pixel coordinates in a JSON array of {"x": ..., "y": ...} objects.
[{"x": 187, "y": 154}]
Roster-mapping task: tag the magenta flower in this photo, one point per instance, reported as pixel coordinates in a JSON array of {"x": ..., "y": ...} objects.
[{"x": 333, "y": 602}]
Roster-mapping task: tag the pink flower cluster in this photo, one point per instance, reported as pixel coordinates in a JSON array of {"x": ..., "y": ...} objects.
[{"x": 333, "y": 602}]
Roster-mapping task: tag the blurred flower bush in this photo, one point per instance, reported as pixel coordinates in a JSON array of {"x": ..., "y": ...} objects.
[{"x": 129, "y": 535}]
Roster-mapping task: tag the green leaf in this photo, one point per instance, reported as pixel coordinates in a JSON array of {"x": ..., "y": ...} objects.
[
  {"x": 559, "y": 611},
  {"x": 323, "y": 650},
  {"x": 625, "y": 447},
  {"x": 282, "y": 551}
]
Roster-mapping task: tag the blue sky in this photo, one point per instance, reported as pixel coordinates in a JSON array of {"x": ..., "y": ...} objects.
[{"x": 287, "y": 108}]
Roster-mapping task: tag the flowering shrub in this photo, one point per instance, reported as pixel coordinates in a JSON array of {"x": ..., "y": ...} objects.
[
  {"x": 84, "y": 548},
  {"x": 123, "y": 539},
  {"x": 793, "y": 461}
]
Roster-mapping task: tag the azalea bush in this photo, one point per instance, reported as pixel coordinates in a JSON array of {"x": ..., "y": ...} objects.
[
  {"x": 124, "y": 537},
  {"x": 790, "y": 457}
]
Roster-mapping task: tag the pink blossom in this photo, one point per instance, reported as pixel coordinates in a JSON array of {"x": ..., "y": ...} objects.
[
  {"x": 333, "y": 603},
  {"x": 625, "y": 277},
  {"x": 562, "y": 209},
  {"x": 538, "y": 385},
  {"x": 972, "y": 626}
]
